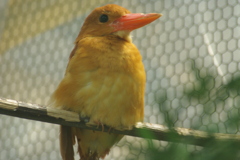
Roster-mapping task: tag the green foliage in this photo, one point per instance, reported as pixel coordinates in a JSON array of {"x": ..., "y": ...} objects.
[{"x": 212, "y": 99}]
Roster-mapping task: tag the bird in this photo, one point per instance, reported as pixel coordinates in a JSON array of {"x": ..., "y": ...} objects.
[{"x": 104, "y": 80}]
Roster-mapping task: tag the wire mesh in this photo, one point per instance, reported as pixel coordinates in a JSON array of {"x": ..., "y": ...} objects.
[{"x": 194, "y": 46}]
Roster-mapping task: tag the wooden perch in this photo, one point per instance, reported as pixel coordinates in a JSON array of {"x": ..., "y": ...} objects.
[{"x": 144, "y": 130}]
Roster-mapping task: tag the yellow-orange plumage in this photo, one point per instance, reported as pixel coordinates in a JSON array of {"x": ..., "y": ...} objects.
[{"x": 104, "y": 80}]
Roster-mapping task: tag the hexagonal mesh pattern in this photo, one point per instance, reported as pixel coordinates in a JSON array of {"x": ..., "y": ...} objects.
[{"x": 189, "y": 55}]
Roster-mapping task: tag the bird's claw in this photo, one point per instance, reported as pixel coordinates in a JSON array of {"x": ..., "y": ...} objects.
[
  {"x": 84, "y": 119},
  {"x": 109, "y": 130},
  {"x": 98, "y": 124}
]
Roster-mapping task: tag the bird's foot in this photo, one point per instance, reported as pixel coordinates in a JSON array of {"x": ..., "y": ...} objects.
[
  {"x": 99, "y": 124},
  {"x": 109, "y": 130},
  {"x": 84, "y": 119}
]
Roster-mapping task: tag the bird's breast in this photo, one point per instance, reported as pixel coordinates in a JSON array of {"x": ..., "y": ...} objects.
[
  {"x": 109, "y": 96},
  {"x": 105, "y": 83}
]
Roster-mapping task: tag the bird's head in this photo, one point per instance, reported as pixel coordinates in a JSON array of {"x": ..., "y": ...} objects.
[{"x": 116, "y": 20}]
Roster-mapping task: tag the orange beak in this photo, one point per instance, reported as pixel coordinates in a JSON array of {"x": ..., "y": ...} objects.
[{"x": 133, "y": 21}]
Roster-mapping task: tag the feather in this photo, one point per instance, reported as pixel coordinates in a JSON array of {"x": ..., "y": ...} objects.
[{"x": 66, "y": 143}]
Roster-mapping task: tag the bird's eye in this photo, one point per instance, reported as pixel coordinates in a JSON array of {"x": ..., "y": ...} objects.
[{"x": 103, "y": 18}]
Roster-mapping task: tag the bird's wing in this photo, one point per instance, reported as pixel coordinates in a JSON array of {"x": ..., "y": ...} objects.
[{"x": 73, "y": 52}]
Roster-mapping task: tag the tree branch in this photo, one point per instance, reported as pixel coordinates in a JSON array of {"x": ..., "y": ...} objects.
[{"x": 143, "y": 130}]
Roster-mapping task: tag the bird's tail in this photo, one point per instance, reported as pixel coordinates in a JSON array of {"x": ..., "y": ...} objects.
[
  {"x": 66, "y": 143},
  {"x": 67, "y": 140},
  {"x": 82, "y": 153}
]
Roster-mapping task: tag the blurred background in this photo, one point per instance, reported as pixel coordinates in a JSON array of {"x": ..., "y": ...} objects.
[{"x": 191, "y": 56}]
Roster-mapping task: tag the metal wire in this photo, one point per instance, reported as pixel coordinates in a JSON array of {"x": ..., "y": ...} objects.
[{"x": 194, "y": 43}]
